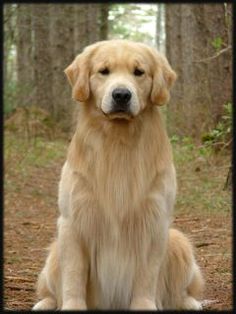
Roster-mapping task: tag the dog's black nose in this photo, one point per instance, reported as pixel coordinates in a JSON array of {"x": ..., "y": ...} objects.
[{"x": 121, "y": 96}]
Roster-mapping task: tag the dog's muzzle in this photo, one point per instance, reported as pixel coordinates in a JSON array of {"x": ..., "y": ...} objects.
[{"x": 121, "y": 100}]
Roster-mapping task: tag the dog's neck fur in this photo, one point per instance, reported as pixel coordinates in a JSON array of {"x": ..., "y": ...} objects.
[
  {"x": 116, "y": 158},
  {"x": 119, "y": 130},
  {"x": 96, "y": 132}
]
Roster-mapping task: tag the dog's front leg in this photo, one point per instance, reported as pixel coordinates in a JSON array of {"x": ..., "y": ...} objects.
[
  {"x": 151, "y": 256},
  {"x": 74, "y": 267},
  {"x": 145, "y": 283}
]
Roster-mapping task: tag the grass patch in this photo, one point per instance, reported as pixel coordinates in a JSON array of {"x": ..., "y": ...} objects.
[
  {"x": 22, "y": 157},
  {"x": 201, "y": 175},
  {"x": 36, "y": 152}
]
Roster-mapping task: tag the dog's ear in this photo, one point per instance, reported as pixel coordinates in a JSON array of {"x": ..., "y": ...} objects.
[
  {"x": 78, "y": 74},
  {"x": 163, "y": 79}
]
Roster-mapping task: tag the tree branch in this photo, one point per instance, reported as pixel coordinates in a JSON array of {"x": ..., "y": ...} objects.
[{"x": 215, "y": 56}]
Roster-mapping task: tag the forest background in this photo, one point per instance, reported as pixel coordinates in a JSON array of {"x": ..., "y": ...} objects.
[{"x": 40, "y": 41}]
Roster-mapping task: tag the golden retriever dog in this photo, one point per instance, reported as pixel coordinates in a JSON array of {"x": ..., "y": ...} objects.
[{"x": 114, "y": 247}]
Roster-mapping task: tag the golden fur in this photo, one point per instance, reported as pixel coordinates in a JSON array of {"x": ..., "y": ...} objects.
[{"x": 115, "y": 248}]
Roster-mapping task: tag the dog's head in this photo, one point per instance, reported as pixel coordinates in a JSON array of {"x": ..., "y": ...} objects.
[{"x": 120, "y": 77}]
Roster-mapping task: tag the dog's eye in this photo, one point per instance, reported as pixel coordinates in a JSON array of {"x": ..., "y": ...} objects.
[
  {"x": 138, "y": 72},
  {"x": 104, "y": 71}
]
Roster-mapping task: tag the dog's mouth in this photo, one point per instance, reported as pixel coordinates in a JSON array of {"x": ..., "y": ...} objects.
[{"x": 119, "y": 115}]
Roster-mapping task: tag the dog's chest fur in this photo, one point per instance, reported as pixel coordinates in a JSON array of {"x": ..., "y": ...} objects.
[
  {"x": 112, "y": 269},
  {"x": 119, "y": 181},
  {"x": 121, "y": 222},
  {"x": 108, "y": 201}
]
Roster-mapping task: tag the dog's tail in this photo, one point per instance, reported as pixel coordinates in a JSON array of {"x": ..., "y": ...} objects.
[
  {"x": 196, "y": 286},
  {"x": 46, "y": 289}
]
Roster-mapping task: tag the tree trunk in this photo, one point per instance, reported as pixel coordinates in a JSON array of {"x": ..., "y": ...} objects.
[
  {"x": 8, "y": 40},
  {"x": 104, "y": 13},
  {"x": 58, "y": 32},
  {"x": 174, "y": 55},
  {"x": 42, "y": 57},
  {"x": 62, "y": 50},
  {"x": 204, "y": 85},
  {"x": 158, "y": 27},
  {"x": 93, "y": 29},
  {"x": 80, "y": 27},
  {"x": 220, "y": 68},
  {"x": 24, "y": 54}
]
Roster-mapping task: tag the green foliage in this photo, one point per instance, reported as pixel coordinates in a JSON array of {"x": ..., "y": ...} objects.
[
  {"x": 187, "y": 150},
  {"x": 205, "y": 151},
  {"x": 182, "y": 148},
  {"x": 131, "y": 21},
  {"x": 32, "y": 122},
  {"x": 25, "y": 159},
  {"x": 10, "y": 91},
  {"x": 216, "y": 139},
  {"x": 36, "y": 152},
  {"x": 188, "y": 142},
  {"x": 222, "y": 133},
  {"x": 174, "y": 139},
  {"x": 10, "y": 82},
  {"x": 200, "y": 183},
  {"x": 217, "y": 43}
]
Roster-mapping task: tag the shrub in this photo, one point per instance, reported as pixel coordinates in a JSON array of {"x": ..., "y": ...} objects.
[{"x": 221, "y": 136}]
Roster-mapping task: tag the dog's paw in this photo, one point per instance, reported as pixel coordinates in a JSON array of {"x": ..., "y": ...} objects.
[
  {"x": 74, "y": 305},
  {"x": 143, "y": 304},
  {"x": 191, "y": 304},
  {"x": 45, "y": 304}
]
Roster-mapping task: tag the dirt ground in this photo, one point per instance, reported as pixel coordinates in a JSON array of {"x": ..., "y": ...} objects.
[{"x": 28, "y": 232}]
